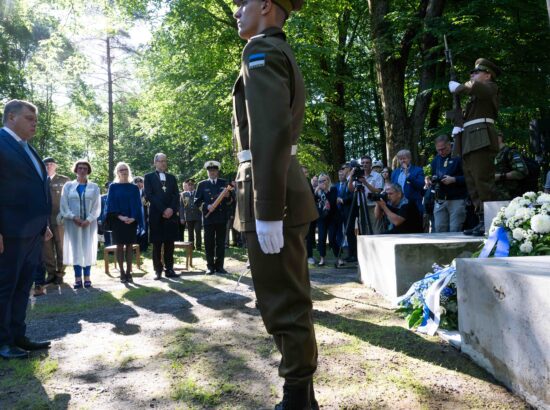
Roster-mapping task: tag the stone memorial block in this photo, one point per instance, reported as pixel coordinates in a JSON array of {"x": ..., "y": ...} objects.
[
  {"x": 490, "y": 210},
  {"x": 390, "y": 264},
  {"x": 503, "y": 306}
]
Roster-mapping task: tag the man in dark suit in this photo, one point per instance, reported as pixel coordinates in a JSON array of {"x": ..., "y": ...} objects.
[
  {"x": 161, "y": 191},
  {"x": 214, "y": 219},
  {"x": 24, "y": 210}
]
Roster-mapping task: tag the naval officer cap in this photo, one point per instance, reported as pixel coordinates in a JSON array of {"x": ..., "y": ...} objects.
[
  {"x": 49, "y": 160},
  {"x": 482, "y": 64},
  {"x": 212, "y": 164},
  {"x": 287, "y": 5}
]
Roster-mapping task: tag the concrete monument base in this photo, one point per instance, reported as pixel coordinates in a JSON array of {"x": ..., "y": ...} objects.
[
  {"x": 490, "y": 210},
  {"x": 390, "y": 264},
  {"x": 503, "y": 306}
]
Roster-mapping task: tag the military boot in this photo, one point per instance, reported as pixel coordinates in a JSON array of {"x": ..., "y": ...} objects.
[
  {"x": 296, "y": 398},
  {"x": 478, "y": 230}
]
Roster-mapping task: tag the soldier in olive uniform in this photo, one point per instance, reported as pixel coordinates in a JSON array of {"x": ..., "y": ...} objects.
[
  {"x": 510, "y": 169},
  {"x": 477, "y": 143},
  {"x": 274, "y": 201},
  {"x": 52, "y": 253}
]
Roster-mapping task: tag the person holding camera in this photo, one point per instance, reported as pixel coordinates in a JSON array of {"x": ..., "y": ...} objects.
[
  {"x": 368, "y": 182},
  {"x": 449, "y": 188},
  {"x": 326, "y": 198},
  {"x": 410, "y": 177},
  {"x": 400, "y": 214}
]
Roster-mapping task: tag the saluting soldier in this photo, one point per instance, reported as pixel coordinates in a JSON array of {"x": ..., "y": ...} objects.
[
  {"x": 479, "y": 144},
  {"x": 52, "y": 253},
  {"x": 510, "y": 169},
  {"x": 161, "y": 191},
  {"x": 274, "y": 201},
  {"x": 214, "y": 219}
]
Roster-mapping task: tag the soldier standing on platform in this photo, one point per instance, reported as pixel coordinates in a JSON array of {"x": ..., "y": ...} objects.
[
  {"x": 274, "y": 202},
  {"x": 214, "y": 219},
  {"x": 52, "y": 253},
  {"x": 478, "y": 141}
]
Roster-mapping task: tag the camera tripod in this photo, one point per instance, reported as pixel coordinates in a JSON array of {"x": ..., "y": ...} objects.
[{"x": 359, "y": 208}]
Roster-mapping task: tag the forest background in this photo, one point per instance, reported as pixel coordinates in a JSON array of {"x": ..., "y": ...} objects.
[{"x": 375, "y": 75}]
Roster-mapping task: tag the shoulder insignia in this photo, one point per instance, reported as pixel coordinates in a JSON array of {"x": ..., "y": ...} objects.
[
  {"x": 258, "y": 36},
  {"x": 256, "y": 61}
]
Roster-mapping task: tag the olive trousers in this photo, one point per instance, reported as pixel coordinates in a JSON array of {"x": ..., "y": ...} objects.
[{"x": 283, "y": 290}]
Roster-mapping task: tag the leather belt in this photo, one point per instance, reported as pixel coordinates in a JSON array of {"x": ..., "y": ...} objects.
[
  {"x": 245, "y": 155},
  {"x": 479, "y": 121}
]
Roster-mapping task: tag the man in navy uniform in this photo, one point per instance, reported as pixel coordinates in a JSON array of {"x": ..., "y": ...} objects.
[
  {"x": 25, "y": 207},
  {"x": 214, "y": 219}
]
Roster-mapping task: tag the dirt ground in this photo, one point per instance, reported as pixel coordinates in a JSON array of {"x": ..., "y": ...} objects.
[{"x": 198, "y": 342}]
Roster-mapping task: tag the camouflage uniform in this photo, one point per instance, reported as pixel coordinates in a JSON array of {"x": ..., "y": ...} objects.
[{"x": 509, "y": 160}]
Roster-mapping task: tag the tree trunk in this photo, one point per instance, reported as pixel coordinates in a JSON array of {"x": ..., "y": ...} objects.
[{"x": 110, "y": 113}]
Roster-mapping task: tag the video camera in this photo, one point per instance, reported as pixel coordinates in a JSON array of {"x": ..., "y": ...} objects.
[
  {"x": 375, "y": 196},
  {"x": 356, "y": 169}
]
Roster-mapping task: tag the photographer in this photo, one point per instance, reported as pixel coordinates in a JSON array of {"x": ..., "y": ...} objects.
[
  {"x": 449, "y": 188},
  {"x": 402, "y": 215},
  {"x": 366, "y": 180}
]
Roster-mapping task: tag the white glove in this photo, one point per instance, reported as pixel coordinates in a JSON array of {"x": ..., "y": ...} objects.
[
  {"x": 457, "y": 130},
  {"x": 270, "y": 235},
  {"x": 453, "y": 85}
]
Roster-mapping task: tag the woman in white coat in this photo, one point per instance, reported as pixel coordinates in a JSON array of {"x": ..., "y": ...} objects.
[{"x": 80, "y": 207}]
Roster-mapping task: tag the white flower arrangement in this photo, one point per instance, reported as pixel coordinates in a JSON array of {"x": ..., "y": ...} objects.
[{"x": 526, "y": 221}]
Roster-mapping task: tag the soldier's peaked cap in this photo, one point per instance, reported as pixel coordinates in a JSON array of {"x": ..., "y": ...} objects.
[
  {"x": 483, "y": 64},
  {"x": 212, "y": 164},
  {"x": 49, "y": 159},
  {"x": 286, "y": 5}
]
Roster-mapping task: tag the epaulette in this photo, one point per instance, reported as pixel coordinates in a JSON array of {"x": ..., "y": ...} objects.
[{"x": 258, "y": 36}]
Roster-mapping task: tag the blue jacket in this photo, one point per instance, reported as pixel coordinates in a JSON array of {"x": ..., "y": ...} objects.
[
  {"x": 25, "y": 202},
  {"x": 414, "y": 185}
]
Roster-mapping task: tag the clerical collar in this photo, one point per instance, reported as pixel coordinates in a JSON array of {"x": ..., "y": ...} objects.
[{"x": 162, "y": 176}]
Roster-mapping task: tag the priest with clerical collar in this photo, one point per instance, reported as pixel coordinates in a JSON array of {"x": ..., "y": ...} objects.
[{"x": 161, "y": 191}]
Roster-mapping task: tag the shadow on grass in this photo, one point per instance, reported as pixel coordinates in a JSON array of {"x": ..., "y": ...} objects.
[
  {"x": 162, "y": 302},
  {"x": 210, "y": 374},
  {"x": 60, "y": 314},
  {"x": 401, "y": 340},
  {"x": 21, "y": 385},
  {"x": 212, "y": 297}
]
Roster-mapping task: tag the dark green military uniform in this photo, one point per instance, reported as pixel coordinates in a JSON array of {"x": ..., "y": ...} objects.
[
  {"x": 479, "y": 143},
  {"x": 52, "y": 252},
  {"x": 268, "y": 112},
  {"x": 509, "y": 160}
]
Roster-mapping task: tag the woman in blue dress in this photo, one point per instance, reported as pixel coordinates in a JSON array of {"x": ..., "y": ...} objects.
[{"x": 125, "y": 217}]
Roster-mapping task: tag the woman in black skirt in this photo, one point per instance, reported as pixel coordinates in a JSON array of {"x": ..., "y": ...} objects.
[{"x": 125, "y": 216}]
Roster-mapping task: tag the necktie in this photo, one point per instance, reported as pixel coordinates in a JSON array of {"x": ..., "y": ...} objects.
[{"x": 25, "y": 146}]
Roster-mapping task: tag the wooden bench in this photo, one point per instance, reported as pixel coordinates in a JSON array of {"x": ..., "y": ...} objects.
[
  {"x": 112, "y": 249},
  {"x": 188, "y": 246}
]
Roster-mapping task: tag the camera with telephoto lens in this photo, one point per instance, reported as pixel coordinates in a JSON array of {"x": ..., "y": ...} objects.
[
  {"x": 356, "y": 170},
  {"x": 375, "y": 196},
  {"x": 436, "y": 185}
]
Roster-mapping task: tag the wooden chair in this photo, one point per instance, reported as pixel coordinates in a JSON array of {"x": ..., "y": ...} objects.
[
  {"x": 188, "y": 246},
  {"x": 112, "y": 249}
]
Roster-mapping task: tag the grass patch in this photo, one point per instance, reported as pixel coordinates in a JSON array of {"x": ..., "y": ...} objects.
[
  {"x": 21, "y": 372},
  {"x": 188, "y": 390},
  {"x": 406, "y": 380},
  {"x": 183, "y": 346},
  {"x": 135, "y": 294}
]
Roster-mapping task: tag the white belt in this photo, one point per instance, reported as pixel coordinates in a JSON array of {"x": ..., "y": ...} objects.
[
  {"x": 479, "y": 121},
  {"x": 246, "y": 155}
]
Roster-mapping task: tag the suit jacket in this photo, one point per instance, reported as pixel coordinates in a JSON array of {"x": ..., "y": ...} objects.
[
  {"x": 25, "y": 202},
  {"x": 162, "y": 229},
  {"x": 414, "y": 185},
  {"x": 206, "y": 194},
  {"x": 268, "y": 113}
]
